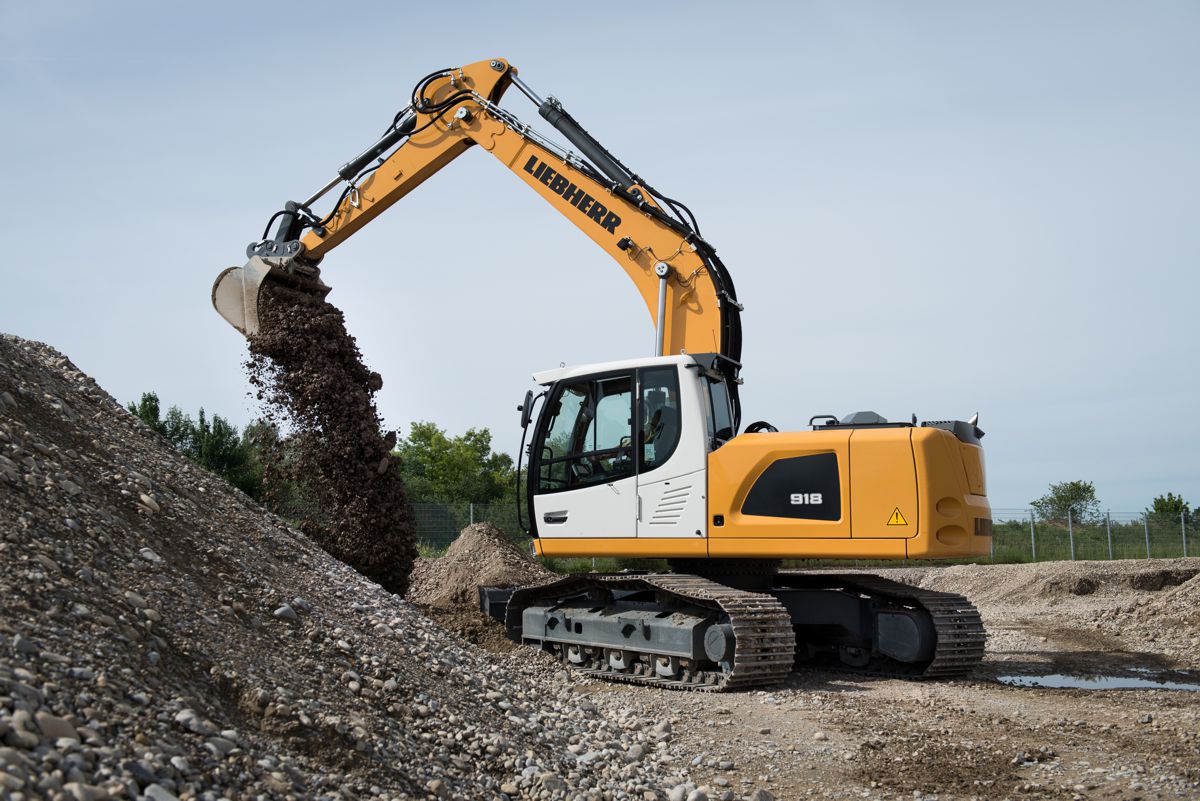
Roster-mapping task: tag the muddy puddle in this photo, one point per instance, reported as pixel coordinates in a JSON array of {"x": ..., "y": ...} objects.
[{"x": 1134, "y": 679}]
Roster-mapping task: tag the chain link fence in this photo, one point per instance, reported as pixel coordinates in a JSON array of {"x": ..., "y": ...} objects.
[
  {"x": 1018, "y": 535},
  {"x": 1021, "y": 535},
  {"x": 438, "y": 524}
]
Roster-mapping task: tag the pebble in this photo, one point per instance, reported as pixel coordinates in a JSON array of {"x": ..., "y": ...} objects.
[
  {"x": 286, "y": 612},
  {"x": 156, "y": 792},
  {"x": 55, "y": 727},
  {"x": 149, "y": 555},
  {"x": 150, "y": 504}
]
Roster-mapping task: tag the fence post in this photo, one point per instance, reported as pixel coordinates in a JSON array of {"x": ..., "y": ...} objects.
[
  {"x": 1032, "y": 537},
  {"x": 1183, "y": 528},
  {"x": 1108, "y": 530},
  {"x": 471, "y": 512},
  {"x": 1071, "y": 533},
  {"x": 1146, "y": 524}
]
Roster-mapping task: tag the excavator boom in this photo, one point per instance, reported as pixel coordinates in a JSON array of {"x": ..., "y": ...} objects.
[{"x": 686, "y": 289}]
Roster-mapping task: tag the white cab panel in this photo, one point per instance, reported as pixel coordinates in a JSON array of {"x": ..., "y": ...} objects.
[{"x": 603, "y": 510}]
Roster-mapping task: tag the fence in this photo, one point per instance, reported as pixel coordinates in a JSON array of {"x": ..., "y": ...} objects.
[
  {"x": 1018, "y": 535},
  {"x": 438, "y": 524}
]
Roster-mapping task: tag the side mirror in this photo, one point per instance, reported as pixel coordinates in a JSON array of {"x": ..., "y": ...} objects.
[{"x": 526, "y": 409}]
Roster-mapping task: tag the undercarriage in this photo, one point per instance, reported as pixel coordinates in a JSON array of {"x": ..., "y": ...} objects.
[{"x": 729, "y": 624}]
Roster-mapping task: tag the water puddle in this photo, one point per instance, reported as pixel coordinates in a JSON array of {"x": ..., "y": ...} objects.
[{"x": 1136, "y": 680}]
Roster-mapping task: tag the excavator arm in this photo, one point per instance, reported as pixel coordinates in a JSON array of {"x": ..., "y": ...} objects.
[{"x": 688, "y": 292}]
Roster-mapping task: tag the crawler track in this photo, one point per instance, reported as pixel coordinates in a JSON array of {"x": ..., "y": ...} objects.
[
  {"x": 765, "y": 644},
  {"x": 956, "y": 621},
  {"x": 764, "y": 637}
]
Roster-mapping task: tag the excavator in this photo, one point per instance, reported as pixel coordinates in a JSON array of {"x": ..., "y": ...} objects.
[{"x": 647, "y": 457}]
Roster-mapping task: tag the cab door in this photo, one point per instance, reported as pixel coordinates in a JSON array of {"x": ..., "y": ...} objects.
[{"x": 585, "y": 470}]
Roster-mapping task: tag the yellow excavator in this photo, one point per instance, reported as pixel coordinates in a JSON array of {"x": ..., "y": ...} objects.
[{"x": 643, "y": 457}]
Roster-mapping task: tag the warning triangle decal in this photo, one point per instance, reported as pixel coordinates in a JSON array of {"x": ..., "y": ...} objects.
[{"x": 897, "y": 519}]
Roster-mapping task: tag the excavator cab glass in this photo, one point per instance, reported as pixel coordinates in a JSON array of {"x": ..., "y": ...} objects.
[
  {"x": 660, "y": 416},
  {"x": 589, "y": 439},
  {"x": 720, "y": 413}
]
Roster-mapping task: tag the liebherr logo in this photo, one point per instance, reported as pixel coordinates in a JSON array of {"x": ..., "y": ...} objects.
[
  {"x": 806, "y": 499},
  {"x": 559, "y": 185}
]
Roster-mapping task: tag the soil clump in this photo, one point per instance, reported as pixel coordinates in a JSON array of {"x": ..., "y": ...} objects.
[{"x": 309, "y": 371}]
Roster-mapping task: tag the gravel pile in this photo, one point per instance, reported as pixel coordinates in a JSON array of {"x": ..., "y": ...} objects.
[{"x": 164, "y": 637}]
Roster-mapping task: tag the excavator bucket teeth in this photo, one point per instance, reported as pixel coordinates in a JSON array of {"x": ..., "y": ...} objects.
[{"x": 236, "y": 291}]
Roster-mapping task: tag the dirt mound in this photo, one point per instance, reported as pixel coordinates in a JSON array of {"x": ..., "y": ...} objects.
[
  {"x": 447, "y": 587},
  {"x": 308, "y": 368},
  {"x": 1041, "y": 581},
  {"x": 481, "y": 555},
  {"x": 163, "y": 636}
]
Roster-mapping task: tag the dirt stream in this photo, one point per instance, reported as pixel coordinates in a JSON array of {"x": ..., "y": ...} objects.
[
  {"x": 309, "y": 373},
  {"x": 164, "y": 637}
]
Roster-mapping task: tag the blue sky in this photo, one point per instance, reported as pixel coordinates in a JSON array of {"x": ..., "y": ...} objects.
[{"x": 938, "y": 208}]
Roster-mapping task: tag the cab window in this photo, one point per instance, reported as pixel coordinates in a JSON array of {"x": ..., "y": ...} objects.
[
  {"x": 659, "y": 411},
  {"x": 720, "y": 414},
  {"x": 590, "y": 437}
]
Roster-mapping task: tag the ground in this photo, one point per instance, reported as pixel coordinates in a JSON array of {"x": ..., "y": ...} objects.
[{"x": 840, "y": 736}]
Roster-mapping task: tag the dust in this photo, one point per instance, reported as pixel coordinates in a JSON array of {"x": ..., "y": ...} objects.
[{"x": 308, "y": 370}]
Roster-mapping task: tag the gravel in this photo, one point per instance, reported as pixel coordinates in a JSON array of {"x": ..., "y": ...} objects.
[{"x": 187, "y": 678}]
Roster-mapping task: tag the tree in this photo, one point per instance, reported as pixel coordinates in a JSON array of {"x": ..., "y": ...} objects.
[
  {"x": 214, "y": 445},
  {"x": 1076, "y": 497},
  {"x": 442, "y": 469},
  {"x": 1171, "y": 507}
]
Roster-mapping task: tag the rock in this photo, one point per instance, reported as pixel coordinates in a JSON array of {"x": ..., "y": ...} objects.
[
  {"x": 762, "y": 795},
  {"x": 764, "y": 730},
  {"x": 821, "y": 737},
  {"x": 156, "y": 792},
  {"x": 286, "y": 612},
  {"x": 438, "y": 788},
  {"x": 510, "y": 789},
  {"x": 149, "y": 555},
  {"x": 697, "y": 795},
  {"x": 84, "y": 792},
  {"x": 551, "y": 782},
  {"x": 150, "y": 504},
  {"x": 220, "y": 746},
  {"x": 678, "y": 793},
  {"x": 23, "y": 645},
  {"x": 1147, "y": 718},
  {"x": 635, "y": 752},
  {"x": 55, "y": 727},
  {"x": 192, "y": 722},
  {"x": 725, "y": 764}
]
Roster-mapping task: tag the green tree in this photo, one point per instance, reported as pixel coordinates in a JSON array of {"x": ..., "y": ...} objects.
[
  {"x": 1170, "y": 507},
  {"x": 212, "y": 444},
  {"x": 441, "y": 469},
  {"x": 1077, "y": 497}
]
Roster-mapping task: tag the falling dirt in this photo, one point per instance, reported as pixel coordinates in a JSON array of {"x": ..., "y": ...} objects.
[{"x": 309, "y": 372}]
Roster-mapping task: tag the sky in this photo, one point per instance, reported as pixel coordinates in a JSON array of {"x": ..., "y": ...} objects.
[{"x": 937, "y": 208}]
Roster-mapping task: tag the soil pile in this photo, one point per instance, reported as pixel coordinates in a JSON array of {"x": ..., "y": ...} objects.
[
  {"x": 309, "y": 369},
  {"x": 482, "y": 555},
  {"x": 447, "y": 588},
  {"x": 164, "y": 637},
  {"x": 1140, "y": 605}
]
